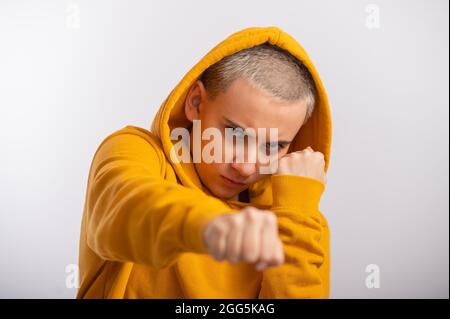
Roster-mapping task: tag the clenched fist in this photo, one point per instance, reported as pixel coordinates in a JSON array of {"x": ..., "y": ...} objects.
[
  {"x": 303, "y": 163},
  {"x": 250, "y": 235}
]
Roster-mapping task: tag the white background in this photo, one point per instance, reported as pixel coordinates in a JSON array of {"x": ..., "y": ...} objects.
[{"x": 72, "y": 72}]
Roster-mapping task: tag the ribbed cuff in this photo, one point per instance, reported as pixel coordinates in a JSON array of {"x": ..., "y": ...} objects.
[{"x": 297, "y": 192}]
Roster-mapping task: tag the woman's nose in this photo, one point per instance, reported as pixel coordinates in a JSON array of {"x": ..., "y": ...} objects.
[{"x": 244, "y": 169}]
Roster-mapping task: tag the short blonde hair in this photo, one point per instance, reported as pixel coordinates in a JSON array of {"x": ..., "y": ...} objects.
[{"x": 270, "y": 68}]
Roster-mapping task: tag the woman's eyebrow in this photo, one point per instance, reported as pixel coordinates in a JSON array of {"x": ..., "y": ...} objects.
[
  {"x": 235, "y": 125},
  {"x": 231, "y": 123}
]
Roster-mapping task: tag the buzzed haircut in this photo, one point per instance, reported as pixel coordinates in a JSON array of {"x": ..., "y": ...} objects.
[{"x": 268, "y": 67}]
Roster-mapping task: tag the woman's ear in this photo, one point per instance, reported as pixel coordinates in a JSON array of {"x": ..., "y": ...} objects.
[{"x": 194, "y": 99}]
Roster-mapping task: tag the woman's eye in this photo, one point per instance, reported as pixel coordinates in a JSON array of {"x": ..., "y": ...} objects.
[
  {"x": 236, "y": 131},
  {"x": 277, "y": 146}
]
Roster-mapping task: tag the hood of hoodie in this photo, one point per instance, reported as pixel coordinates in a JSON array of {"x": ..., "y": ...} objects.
[{"x": 316, "y": 132}]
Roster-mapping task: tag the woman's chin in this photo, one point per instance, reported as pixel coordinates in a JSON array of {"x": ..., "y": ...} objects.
[{"x": 226, "y": 194}]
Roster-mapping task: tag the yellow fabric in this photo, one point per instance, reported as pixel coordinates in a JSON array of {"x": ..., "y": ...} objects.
[{"x": 143, "y": 214}]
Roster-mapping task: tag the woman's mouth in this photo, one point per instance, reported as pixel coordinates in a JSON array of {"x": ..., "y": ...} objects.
[{"x": 232, "y": 182}]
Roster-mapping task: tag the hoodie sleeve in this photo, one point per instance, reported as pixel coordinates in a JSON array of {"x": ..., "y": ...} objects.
[
  {"x": 304, "y": 233},
  {"x": 134, "y": 215}
]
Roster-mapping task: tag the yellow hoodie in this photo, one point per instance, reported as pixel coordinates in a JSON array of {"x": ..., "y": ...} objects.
[{"x": 141, "y": 233}]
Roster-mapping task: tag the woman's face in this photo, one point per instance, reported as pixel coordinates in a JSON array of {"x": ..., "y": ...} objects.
[{"x": 245, "y": 106}]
